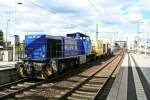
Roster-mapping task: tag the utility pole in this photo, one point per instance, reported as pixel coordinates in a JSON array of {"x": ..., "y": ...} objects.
[
  {"x": 97, "y": 32},
  {"x": 114, "y": 35}
]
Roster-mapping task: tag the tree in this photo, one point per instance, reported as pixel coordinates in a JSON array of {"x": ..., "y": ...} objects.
[{"x": 1, "y": 38}]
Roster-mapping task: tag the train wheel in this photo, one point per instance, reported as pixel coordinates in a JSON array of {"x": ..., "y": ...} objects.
[
  {"x": 47, "y": 71},
  {"x": 61, "y": 67},
  {"x": 72, "y": 63},
  {"x": 76, "y": 64}
]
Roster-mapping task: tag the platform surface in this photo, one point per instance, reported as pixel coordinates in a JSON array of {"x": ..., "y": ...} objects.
[
  {"x": 7, "y": 65},
  {"x": 133, "y": 80}
]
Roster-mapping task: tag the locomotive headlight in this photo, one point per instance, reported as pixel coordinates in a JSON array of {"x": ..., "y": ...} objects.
[
  {"x": 43, "y": 55},
  {"x": 38, "y": 66}
]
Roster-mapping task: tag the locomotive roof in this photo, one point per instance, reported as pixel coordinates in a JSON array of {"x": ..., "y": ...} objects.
[
  {"x": 74, "y": 34},
  {"x": 44, "y": 35}
]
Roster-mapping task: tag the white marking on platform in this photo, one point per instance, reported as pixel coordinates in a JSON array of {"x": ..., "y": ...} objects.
[{"x": 138, "y": 85}]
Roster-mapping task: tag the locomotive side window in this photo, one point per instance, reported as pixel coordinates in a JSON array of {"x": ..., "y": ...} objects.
[
  {"x": 54, "y": 48},
  {"x": 104, "y": 48}
]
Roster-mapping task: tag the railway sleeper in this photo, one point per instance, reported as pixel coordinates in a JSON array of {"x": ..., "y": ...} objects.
[
  {"x": 23, "y": 85},
  {"x": 74, "y": 85},
  {"x": 6, "y": 91},
  {"x": 43, "y": 86},
  {"x": 72, "y": 98},
  {"x": 80, "y": 96},
  {"x": 88, "y": 90},
  {"x": 15, "y": 87},
  {"x": 92, "y": 85},
  {"x": 3, "y": 93},
  {"x": 33, "y": 90},
  {"x": 71, "y": 80},
  {"x": 10, "y": 90},
  {"x": 24, "y": 95},
  {"x": 86, "y": 93},
  {"x": 21, "y": 96},
  {"x": 28, "y": 92},
  {"x": 29, "y": 83},
  {"x": 46, "y": 85},
  {"x": 102, "y": 79}
]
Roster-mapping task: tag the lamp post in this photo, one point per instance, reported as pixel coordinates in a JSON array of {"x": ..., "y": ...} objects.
[
  {"x": 114, "y": 35},
  {"x": 146, "y": 40},
  {"x": 145, "y": 35},
  {"x": 145, "y": 43},
  {"x": 138, "y": 32},
  {"x": 6, "y": 32},
  {"x": 14, "y": 47}
]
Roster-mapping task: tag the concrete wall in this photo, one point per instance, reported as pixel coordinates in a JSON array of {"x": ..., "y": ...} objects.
[
  {"x": 6, "y": 55},
  {"x": 1, "y": 55},
  {"x": 8, "y": 75}
]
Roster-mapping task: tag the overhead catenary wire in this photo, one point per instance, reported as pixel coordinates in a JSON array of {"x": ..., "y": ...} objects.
[
  {"x": 39, "y": 6},
  {"x": 98, "y": 11},
  {"x": 50, "y": 12},
  {"x": 100, "y": 15}
]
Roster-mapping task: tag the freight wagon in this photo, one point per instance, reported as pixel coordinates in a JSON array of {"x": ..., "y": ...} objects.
[{"x": 101, "y": 48}]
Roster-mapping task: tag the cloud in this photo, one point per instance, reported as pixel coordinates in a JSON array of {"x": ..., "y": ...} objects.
[
  {"x": 31, "y": 27},
  {"x": 144, "y": 25},
  {"x": 58, "y": 17},
  {"x": 133, "y": 17}
]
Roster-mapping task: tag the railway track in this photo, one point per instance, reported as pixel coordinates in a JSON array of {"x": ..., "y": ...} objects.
[
  {"x": 93, "y": 85},
  {"x": 9, "y": 89},
  {"x": 52, "y": 89}
]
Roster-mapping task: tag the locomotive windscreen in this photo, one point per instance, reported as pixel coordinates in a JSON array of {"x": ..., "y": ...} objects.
[{"x": 35, "y": 46}]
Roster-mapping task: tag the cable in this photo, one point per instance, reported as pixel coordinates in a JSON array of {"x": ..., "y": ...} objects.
[
  {"x": 37, "y": 5},
  {"x": 98, "y": 10},
  {"x": 99, "y": 13}
]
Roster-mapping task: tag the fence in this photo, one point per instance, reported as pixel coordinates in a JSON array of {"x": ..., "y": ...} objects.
[{"x": 7, "y": 55}]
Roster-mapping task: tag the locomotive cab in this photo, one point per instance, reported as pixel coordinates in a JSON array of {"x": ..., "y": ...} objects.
[{"x": 83, "y": 42}]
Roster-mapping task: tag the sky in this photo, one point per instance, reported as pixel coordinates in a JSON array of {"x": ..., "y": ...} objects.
[{"x": 117, "y": 19}]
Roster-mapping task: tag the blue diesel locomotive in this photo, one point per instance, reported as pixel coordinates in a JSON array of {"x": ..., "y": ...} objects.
[{"x": 47, "y": 55}]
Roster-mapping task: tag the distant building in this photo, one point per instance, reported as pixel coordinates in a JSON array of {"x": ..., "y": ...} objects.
[
  {"x": 121, "y": 44},
  {"x": 1, "y": 47},
  {"x": 8, "y": 46},
  {"x": 143, "y": 42}
]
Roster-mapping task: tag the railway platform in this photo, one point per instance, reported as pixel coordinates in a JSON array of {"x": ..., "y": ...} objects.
[
  {"x": 7, "y": 72},
  {"x": 133, "y": 81},
  {"x": 7, "y": 65}
]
